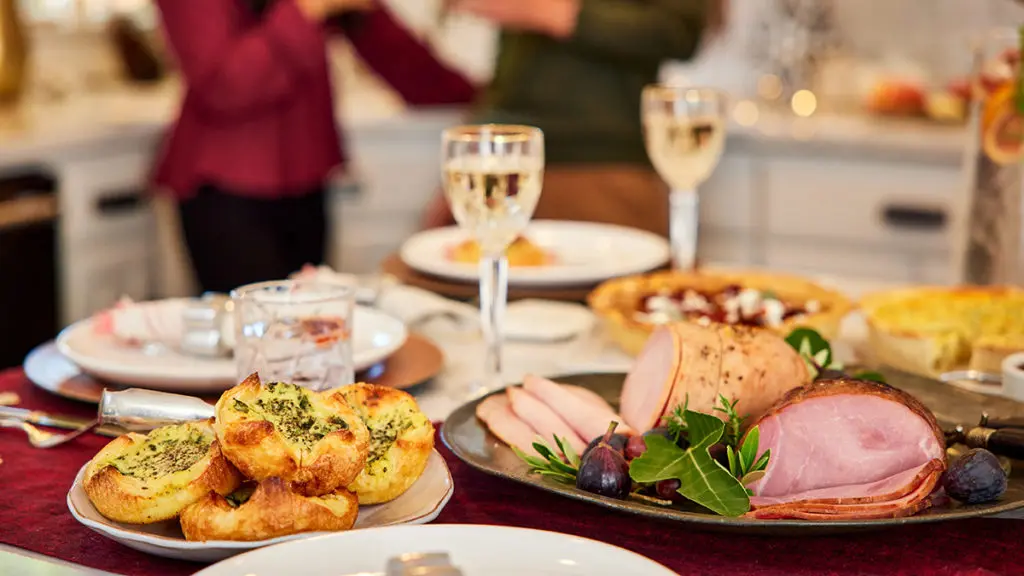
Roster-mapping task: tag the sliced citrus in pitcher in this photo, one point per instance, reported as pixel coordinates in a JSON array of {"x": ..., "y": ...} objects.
[{"x": 1002, "y": 139}]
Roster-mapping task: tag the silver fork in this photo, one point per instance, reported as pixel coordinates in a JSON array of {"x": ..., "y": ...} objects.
[{"x": 43, "y": 439}]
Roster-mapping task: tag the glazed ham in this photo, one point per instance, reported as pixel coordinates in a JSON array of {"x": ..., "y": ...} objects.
[
  {"x": 693, "y": 364},
  {"x": 847, "y": 449}
]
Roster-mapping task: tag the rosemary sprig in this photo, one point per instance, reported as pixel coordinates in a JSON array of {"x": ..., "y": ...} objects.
[
  {"x": 734, "y": 422},
  {"x": 675, "y": 422},
  {"x": 562, "y": 468}
]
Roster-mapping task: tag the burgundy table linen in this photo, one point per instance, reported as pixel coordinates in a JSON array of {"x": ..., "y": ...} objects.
[{"x": 35, "y": 482}]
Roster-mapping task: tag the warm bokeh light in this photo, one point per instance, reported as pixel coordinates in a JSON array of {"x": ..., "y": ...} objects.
[
  {"x": 804, "y": 103},
  {"x": 745, "y": 113},
  {"x": 769, "y": 87}
]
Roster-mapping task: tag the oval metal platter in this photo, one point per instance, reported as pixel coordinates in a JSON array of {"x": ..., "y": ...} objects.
[{"x": 471, "y": 442}]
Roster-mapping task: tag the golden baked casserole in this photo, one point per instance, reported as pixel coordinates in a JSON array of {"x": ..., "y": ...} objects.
[
  {"x": 314, "y": 441},
  {"x": 521, "y": 252},
  {"x": 633, "y": 306},
  {"x": 141, "y": 479},
  {"x": 267, "y": 510},
  {"x": 401, "y": 440},
  {"x": 930, "y": 330}
]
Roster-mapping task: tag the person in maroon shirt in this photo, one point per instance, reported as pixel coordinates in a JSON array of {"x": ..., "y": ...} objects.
[{"x": 256, "y": 139}]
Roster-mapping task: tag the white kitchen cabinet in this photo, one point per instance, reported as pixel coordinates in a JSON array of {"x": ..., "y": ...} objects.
[{"x": 107, "y": 233}]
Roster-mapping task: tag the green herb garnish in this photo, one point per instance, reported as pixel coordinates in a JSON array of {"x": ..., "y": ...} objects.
[
  {"x": 816, "y": 353},
  {"x": 733, "y": 423},
  {"x": 551, "y": 464},
  {"x": 702, "y": 479},
  {"x": 744, "y": 463},
  {"x": 675, "y": 422}
]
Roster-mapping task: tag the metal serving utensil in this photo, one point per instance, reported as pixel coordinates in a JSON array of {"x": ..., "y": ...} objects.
[
  {"x": 140, "y": 410},
  {"x": 43, "y": 439}
]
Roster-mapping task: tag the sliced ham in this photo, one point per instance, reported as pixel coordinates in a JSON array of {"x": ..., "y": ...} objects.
[
  {"x": 587, "y": 395},
  {"x": 496, "y": 413},
  {"x": 543, "y": 418},
  {"x": 847, "y": 449},
  {"x": 586, "y": 417},
  {"x": 648, "y": 386},
  {"x": 696, "y": 365}
]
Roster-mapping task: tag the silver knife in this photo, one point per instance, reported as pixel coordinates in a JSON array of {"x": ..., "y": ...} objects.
[{"x": 57, "y": 421}]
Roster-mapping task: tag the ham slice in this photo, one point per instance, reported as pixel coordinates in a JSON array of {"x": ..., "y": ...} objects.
[
  {"x": 693, "y": 364},
  {"x": 587, "y": 395},
  {"x": 847, "y": 449},
  {"x": 496, "y": 413},
  {"x": 543, "y": 418},
  {"x": 586, "y": 417}
]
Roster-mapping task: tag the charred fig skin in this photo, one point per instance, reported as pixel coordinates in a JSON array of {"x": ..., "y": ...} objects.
[
  {"x": 975, "y": 477},
  {"x": 604, "y": 470}
]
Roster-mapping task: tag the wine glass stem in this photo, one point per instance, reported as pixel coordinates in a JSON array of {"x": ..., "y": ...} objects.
[
  {"x": 684, "y": 215},
  {"x": 493, "y": 299}
]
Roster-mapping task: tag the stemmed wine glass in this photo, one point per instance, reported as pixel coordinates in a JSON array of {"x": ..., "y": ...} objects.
[
  {"x": 684, "y": 130},
  {"x": 492, "y": 176}
]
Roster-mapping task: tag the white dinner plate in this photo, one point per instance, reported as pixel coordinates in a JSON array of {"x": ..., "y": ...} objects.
[
  {"x": 476, "y": 550},
  {"x": 420, "y": 504},
  {"x": 585, "y": 253},
  {"x": 376, "y": 336}
]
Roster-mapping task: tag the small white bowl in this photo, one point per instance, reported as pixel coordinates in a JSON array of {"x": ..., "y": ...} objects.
[{"x": 1013, "y": 376}]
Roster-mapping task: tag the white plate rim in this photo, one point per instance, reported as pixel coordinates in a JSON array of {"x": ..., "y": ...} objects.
[
  {"x": 213, "y": 570},
  {"x": 116, "y": 533},
  {"x": 222, "y": 370},
  {"x": 552, "y": 275}
]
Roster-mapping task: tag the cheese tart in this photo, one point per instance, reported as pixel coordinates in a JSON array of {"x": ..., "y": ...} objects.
[
  {"x": 633, "y": 306},
  {"x": 268, "y": 509},
  {"x": 401, "y": 440},
  {"x": 146, "y": 478},
  {"x": 314, "y": 441},
  {"x": 930, "y": 330}
]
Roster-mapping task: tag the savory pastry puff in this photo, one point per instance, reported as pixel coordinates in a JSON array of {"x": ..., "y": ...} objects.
[
  {"x": 314, "y": 441},
  {"x": 146, "y": 478},
  {"x": 267, "y": 510},
  {"x": 401, "y": 439}
]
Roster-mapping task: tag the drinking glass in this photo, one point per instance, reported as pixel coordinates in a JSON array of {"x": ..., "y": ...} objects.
[
  {"x": 492, "y": 175},
  {"x": 684, "y": 130},
  {"x": 295, "y": 331}
]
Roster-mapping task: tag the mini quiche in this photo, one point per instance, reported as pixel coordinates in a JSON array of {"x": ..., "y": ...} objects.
[
  {"x": 314, "y": 441},
  {"x": 521, "y": 252},
  {"x": 930, "y": 330},
  {"x": 141, "y": 479},
  {"x": 401, "y": 440},
  {"x": 633, "y": 306},
  {"x": 268, "y": 509}
]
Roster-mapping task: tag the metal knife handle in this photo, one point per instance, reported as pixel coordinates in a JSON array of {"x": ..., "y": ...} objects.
[
  {"x": 1007, "y": 442},
  {"x": 141, "y": 410},
  {"x": 999, "y": 423}
]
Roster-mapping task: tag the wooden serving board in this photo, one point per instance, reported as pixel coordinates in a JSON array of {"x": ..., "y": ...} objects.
[{"x": 417, "y": 361}]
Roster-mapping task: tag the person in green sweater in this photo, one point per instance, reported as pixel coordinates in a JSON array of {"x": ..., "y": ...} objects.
[{"x": 576, "y": 70}]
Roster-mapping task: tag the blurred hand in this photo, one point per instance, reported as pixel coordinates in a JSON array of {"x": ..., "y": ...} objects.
[
  {"x": 552, "y": 17},
  {"x": 320, "y": 9}
]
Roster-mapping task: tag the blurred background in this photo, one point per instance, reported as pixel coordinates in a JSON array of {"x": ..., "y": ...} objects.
[{"x": 844, "y": 152}]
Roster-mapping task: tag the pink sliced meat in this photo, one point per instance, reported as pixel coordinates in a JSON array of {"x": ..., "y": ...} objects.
[
  {"x": 586, "y": 418},
  {"x": 496, "y": 413},
  {"x": 543, "y": 419},
  {"x": 648, "y": 386},
  {"x": 847, "y": 447},
  {"x": 588, "y": 395}
]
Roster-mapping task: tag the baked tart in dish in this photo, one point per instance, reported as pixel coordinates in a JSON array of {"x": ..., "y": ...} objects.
[
  {"x": 268, "y": 509},
  {"x": 147, "y": 478},
  {"x": 314, "y": 441},
  {"x": 401, "y": 440},
  {"x": 930, "y": 330},
  {"x": 633, "y": 306},
  {"x": 521, "y": 252}
]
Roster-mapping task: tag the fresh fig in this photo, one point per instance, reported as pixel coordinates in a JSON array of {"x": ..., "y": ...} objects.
[
  {"x": 604, "y": 470},
  {"x": 975, "y": 477},
  {"x": 617, "y": 441},
  {"x": 663, "y": 431}
]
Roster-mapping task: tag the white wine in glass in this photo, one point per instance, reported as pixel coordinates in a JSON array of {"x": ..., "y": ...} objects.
[
  {"x": 492, "y": 175},
  {"x": 684, "y": 130}
]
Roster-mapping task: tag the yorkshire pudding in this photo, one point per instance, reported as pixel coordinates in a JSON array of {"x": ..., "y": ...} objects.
[
  {"x": 141, "y": 479},
  {"x": 267, "y": 510},
  {"x": 314, "y": 441},
  {"x": 401, "y": 439}
]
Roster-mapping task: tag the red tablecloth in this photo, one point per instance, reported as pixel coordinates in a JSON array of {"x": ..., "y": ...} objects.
[{"x": 33, "y": 484}]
